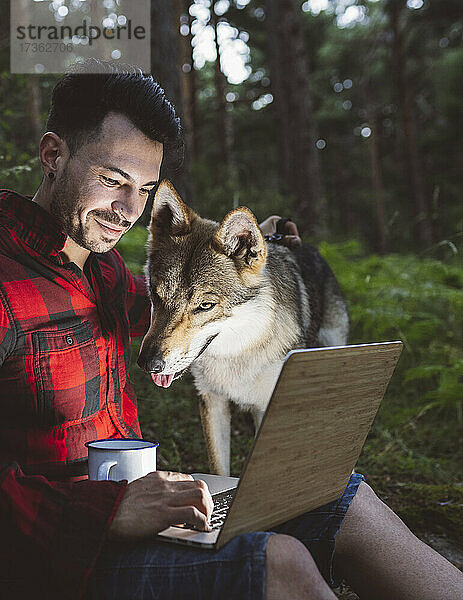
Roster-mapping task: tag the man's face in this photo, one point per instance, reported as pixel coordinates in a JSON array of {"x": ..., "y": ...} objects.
[{"x": 102, "y": 190}]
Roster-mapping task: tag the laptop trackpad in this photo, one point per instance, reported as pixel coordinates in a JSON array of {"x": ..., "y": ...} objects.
[{"x": 217, "y": 483}]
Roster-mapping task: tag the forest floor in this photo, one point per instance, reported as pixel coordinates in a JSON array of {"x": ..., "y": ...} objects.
[
  {"x": 413, "y": 455},
  {"x": 434, "y": 512}
]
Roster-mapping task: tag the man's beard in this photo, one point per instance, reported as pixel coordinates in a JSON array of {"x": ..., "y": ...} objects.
[{"x": 67, "y": 205}]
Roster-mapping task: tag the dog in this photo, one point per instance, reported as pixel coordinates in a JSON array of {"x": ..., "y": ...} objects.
[{"x": 228, "y": 305}]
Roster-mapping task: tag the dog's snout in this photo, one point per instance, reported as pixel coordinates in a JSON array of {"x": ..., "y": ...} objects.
[
  {"x": 151, "y": 364},
  {"x": 156, "y": 365}
]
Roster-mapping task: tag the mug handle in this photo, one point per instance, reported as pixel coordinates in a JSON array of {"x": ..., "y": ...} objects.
[{"x": 104, "y": 468}]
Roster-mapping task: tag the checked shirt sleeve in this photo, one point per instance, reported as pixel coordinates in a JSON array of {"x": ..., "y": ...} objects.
[
  {"x": 139, "y": 308},
  {"x": 138, "y": 302},
  {"x": 59, "y": 525},
  {"x": 7, "y": 333}
]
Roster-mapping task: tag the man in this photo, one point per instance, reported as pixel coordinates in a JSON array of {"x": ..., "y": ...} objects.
[{"x": 68, "y": 306}]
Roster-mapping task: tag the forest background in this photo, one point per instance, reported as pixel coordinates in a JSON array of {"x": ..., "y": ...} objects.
[{"x": 346, "y": 115}]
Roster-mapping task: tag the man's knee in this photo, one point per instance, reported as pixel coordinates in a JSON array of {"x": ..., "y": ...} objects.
[
  {"x": 366, "y": 516},
  {"x": 290, "y": 570},
  {"x": 366, "y": 507},
  {"x": 284, "y": 552}
]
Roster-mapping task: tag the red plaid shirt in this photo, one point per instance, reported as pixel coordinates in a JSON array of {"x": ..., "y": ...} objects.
[{"x": 64, "y": 357}]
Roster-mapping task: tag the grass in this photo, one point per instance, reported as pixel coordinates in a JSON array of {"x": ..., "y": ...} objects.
[{"x": 413, "y": 454}]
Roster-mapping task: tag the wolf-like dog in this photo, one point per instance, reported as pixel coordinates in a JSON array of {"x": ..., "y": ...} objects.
[{"x": 229, "y": 306}]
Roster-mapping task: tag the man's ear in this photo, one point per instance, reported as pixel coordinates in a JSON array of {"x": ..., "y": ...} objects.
[
  {"x": 240, "y": 238},
  {"x": 170, "y": 215},
  {"x": 53, "y": 151}
]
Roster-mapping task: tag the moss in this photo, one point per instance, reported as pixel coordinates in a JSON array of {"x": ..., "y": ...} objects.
[{"x": 426, "y": 508}]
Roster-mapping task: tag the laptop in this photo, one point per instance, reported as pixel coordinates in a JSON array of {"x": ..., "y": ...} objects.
[{"x": 310, "y": 438}]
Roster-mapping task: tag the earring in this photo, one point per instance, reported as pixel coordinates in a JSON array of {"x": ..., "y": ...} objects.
[{"x": 51, "y": 175}]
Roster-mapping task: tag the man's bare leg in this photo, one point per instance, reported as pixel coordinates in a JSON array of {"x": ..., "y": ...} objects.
[
  {"x": 381, "y": 559},
  {"x": 291, "y": 573}
]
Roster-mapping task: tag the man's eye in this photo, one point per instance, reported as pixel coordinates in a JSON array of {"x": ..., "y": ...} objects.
[
  {"x": 144, "y": 191},
  {"x": 206, "y": 306},
  {"x": 109, "y": 181}
]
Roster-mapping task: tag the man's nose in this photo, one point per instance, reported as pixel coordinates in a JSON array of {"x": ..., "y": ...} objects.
[{"x": 127, "y": 207}]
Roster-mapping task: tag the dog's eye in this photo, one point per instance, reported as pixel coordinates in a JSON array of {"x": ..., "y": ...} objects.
[{"x": 206, "y": 306}]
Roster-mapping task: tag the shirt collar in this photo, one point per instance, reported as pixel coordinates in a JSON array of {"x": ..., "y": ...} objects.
[{"x": 33, "y": 224}]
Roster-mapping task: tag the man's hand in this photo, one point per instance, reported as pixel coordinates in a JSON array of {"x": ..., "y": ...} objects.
[
  {"x": 158, "y": 500},
  {"x": 291, "y": 237}
]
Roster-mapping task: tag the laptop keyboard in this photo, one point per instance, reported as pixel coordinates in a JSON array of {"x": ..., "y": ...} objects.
[{"x": 222, "y": 502}]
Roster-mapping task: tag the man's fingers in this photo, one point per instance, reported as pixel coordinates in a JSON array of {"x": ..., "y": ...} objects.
[
  {"x": 292, "y": 241},
  {"x": 291, "y": 229},
  {"x": 269, "y": 226},
  {"x": 191, "y": 516},
  {"x": 291, "y": 236},
  {"x": 171, "y": 476},
  {"x": 195, "y": 496}
]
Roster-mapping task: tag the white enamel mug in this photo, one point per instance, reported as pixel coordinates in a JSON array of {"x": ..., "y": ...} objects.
[{"x": 118, "y": 459}]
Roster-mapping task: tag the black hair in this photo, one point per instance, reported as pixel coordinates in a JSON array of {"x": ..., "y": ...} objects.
[{"x": 82, "y": 99}]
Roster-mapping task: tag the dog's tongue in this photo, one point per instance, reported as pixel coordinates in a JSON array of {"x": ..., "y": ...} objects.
[{"x": 162, "y": 380}]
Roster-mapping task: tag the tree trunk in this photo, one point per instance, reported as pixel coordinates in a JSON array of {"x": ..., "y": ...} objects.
[
  {"x": 378, "y": 185},
  {"x": 219, "y": 82},
  {"x": 412, "y": 155},
  {"x": 295, "y": 123},
  {"x": 188, "y": 78},
  {"x": 33, "y": 105},
  {"x": 165, "y": 61},
  {"x": 224, "y": 123},
  {"x": 195, "y": 149},
  {"x": 374, "y": 150}
]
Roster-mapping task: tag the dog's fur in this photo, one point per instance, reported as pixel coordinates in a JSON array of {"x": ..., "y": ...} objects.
[{"x": 229, "y": 306}]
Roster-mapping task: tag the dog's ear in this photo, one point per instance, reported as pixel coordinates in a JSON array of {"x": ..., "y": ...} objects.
[
  {"x": 170, "y": 216},
  {"x": 240, "y": 238}
]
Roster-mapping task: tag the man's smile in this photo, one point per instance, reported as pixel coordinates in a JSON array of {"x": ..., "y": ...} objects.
[{"x": 110, "y": 230}]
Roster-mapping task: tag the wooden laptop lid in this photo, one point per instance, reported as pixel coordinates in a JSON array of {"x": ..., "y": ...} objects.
[{"x": 314, "y": 429}]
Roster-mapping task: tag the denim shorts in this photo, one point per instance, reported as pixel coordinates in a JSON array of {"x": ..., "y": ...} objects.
[{"x": 155, "y": 570}]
